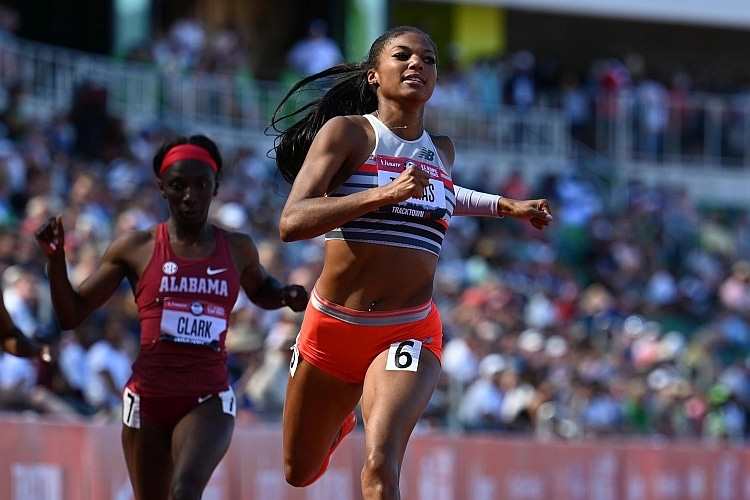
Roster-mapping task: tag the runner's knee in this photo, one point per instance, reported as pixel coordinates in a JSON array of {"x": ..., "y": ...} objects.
[
  {"x": 297, "y": 474},
  {"x": 185, "y": 488},
  {"x": 380, "y": 472}
]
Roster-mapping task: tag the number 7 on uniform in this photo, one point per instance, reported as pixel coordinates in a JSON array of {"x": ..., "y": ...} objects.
[{"x": 404, "y": 355}]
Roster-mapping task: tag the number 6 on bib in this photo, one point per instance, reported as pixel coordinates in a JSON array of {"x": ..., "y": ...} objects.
[{"x": 404, "y": 355}]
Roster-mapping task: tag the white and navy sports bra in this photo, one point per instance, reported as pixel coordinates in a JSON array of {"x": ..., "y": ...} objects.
[{"x": 417, "y": 223}]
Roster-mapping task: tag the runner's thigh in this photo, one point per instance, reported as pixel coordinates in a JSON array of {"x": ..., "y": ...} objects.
[
  {"x": 394, "y": 399},
  {"x": 149, "y": 460},
  {"x": 316, "y": 405},
  {"x": 199, "y": 442}
]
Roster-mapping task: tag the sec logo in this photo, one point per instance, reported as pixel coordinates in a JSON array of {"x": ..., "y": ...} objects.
[
  {"x": 196, "y": 308},
  {"x": 169, "y": 268}
]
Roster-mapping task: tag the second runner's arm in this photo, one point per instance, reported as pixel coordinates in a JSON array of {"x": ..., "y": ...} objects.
[
  {"x": 73, "y": 306},
  {"x": 261, "y": 288}
]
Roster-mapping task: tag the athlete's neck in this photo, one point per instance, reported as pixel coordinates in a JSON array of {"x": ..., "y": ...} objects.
[
  {"x": 408, "y": 124},
  {"x": 189, "y": 234}
]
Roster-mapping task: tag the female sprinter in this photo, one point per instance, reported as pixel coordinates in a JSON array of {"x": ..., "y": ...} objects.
[
  {"x": 367, "y": 175},
  {"x": 178, "y": 408}
]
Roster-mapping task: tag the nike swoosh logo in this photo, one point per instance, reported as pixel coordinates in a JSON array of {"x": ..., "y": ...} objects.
[
  {"x": 212, "y": 272},
  {"x": 204, "y": 398}
]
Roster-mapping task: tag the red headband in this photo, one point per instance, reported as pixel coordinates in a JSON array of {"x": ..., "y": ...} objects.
[{"x": 187, "y": 152}]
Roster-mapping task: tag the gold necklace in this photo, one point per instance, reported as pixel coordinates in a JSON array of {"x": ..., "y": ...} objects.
[{"x": 400, "y": 127}]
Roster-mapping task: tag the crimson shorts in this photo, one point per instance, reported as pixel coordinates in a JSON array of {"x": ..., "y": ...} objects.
[
  {"x": 166, "y": 411},
  {"x": 343, "y": 342}
]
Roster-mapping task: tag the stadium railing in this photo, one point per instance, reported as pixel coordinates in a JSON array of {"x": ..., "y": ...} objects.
[
  {"x": 235, "y": 105},
  {"x": 697, "y": 131}
]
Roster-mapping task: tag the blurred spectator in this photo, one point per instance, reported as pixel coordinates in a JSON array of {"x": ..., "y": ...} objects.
[
  {"x": 27, "y": 303},
  {"x": 481, "y": 406},
  {"x": 520, "y": 88},
  {"x": 653, "y": 114},
  {"x": 107, "y": 368},
  {"x": 182, "y": 46},
  {"x": 98, "y": 135},
  {"x": 267, "y": 385},
  {"x": 315, "y": 52},
  {"x": 9, "y": 20}
]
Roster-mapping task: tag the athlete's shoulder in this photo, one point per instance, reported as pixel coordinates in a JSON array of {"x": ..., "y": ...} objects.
[
  {"x": 446, "y": 149},
  {"x": 349, "y": 127},
  {"x": 349, "y": 122},
  {"x": 237, "y": 239},
  {"x": 242, "y": 248},
  {"x": 132, "y": 240},
  {"x": 348, "y": 136},
  {"x": 128, "y": 248}
]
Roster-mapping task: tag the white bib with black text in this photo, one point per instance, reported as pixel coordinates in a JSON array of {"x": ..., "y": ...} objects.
[{"x": 192, "y": 322}]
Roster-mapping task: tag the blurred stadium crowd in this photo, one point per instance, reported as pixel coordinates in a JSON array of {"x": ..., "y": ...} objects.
[
  {"x": 630, "y": 316},
  {"x": 671, "y": 113}
]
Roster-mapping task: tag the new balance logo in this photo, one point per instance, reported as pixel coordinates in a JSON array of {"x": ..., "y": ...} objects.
[
  {"x": 213, "y": 272},
  {"x": 426, "y": 154}
]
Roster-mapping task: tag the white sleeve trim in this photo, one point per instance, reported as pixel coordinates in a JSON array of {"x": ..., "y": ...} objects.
[{"x": 470, "y": 202}]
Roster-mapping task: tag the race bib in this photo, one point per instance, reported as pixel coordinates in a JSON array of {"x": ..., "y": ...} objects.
[
  {"x": 131, "y": 409},
  {"x": 433, "y": 197},
  {"x": 228, "y": 402},
  {"x": 404, "y": 355},
  {"x": 192, "y": 322},
  {"x": 432, "y": 202},
  {"x": 294, "y": 363}
]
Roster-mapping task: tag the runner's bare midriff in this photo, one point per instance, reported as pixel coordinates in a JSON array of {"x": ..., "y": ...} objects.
[{"x": 381, "y": 278}]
